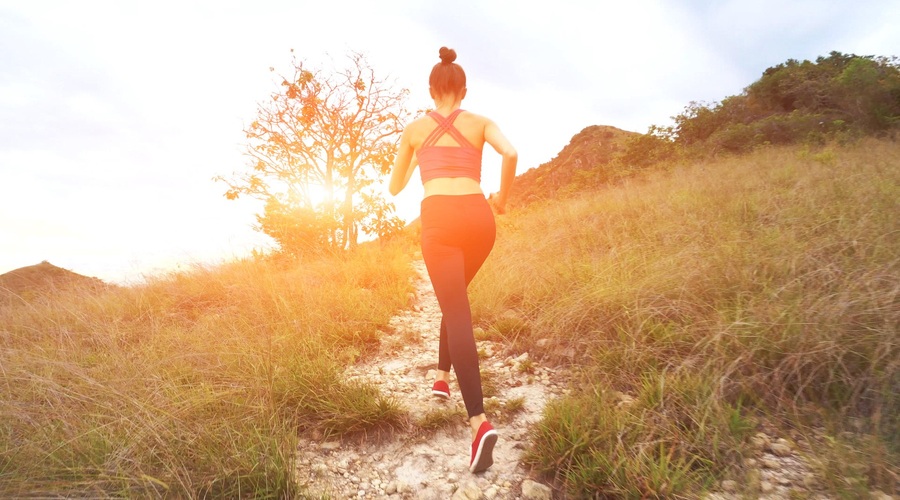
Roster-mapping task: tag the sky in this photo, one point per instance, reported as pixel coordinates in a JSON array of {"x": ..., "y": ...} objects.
[{"x": 115, "y": 116}]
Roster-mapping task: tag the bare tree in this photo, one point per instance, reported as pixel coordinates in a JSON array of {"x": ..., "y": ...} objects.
[{"x": 317, "y": 146}]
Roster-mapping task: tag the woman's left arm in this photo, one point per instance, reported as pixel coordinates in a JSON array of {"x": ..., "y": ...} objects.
[{"x": 404, "y": 165}]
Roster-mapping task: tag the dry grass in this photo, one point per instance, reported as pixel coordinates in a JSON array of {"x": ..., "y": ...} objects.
[
  {"x": 714, "y": 292},
  {"x": 195, "y": 384},
  {"x": 711, "y": 294}
]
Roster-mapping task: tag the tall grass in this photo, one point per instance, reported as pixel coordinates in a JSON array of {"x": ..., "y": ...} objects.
[
  {"x": 713, "y": 293},
  {"x": 195, "y": 384}
]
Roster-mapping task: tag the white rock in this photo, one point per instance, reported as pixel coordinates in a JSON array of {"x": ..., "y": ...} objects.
[
  {"x": 535, "y": 491},
  {"x": 760, "y": 441},
  {"x": 781, "y": 449},
  {"x": 468, "y": 491}
]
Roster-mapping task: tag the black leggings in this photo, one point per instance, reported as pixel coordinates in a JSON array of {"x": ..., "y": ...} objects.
[{"x": 458, "y": 233}]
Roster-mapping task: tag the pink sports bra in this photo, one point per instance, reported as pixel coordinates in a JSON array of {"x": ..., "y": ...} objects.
[{"x": 448, "y": 161}]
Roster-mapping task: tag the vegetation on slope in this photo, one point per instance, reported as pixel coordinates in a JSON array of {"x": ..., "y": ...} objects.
[
  {"x": 695, "y": 295},
  {"x": 45, "y": 279},
  {"x": 838, "y": 98},
  {"x": 196, "y": 384},
  {"x": 712, "y": 294}
]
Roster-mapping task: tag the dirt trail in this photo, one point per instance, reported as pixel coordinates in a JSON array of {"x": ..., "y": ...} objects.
[{"x": 432, "y": 464}]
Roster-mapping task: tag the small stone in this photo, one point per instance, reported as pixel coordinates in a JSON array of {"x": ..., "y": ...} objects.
[
  {"x": 535, "y": 491},
  {"x": 468, "y": 491},
  {"x": 760, "y": 441},
  {"x": 751, "y": 462},
  {"x": 491, "y": 493},
  {"x": 771, "y": 463},
  {"x": 780, "y": 449},
  {"x": 783, "y": 480},
  {"x": 509, "y": 314},
  {"x": 330, "y": 445},
  {"x": 478, "y": 331},
  {"x": 766, "y": 487},
  {"x": 880, "y": 495},
  {"x": 452, "y": 478},
  {"x": 391, "y": 488},
  {"x": 729, "y": 485},
  {"x": 431, "y": 375},
  {"x": 542, "y": 343},
  {"x": 809, "y": 481}
]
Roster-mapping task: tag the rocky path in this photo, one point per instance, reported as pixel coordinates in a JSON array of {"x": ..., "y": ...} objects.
[{"x": 433, "y": 461}]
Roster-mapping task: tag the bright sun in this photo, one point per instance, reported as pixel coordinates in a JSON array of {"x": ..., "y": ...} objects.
[{"x": 317, "y": 195}]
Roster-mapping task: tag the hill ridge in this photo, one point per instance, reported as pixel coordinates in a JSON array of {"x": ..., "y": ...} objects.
[{"x": 45, "y": 277}]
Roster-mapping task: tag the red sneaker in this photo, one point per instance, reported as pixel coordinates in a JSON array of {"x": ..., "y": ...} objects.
[
  {"x": 483, "y": 447},
  {"x": 441, "y": 389}
]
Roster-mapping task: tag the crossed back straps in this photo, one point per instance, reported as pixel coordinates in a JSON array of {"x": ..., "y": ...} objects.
[{"x": 445, "y": 126}]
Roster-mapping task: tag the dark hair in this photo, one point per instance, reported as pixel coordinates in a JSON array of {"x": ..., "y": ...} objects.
[{"x": 447, "y": 77}]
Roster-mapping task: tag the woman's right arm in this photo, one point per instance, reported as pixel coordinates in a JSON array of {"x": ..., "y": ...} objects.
[
  {"x": 505, "y": 149},
  {"x": 403, "y": 165}
]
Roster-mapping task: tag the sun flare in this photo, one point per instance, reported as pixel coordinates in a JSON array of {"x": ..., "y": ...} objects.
[{"x": 316, "y": 195}]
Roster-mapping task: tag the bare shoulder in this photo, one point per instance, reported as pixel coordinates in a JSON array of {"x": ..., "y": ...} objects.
[
  {"x": 417, "y": 129},
  {"x": 475, "y": 120},
  {"x": 475, "y": 117}
]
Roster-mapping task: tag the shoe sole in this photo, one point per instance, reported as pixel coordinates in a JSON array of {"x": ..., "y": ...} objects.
[
  {"x": 484, "y": 456},
  {"x": 442, "y": 395}
]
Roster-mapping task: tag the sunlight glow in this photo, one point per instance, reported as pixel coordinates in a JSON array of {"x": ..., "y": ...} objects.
[{"x": 315, "y": 195}]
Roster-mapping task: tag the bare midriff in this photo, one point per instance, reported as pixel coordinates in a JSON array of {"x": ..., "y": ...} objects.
[{"x": 454, "y": 186}]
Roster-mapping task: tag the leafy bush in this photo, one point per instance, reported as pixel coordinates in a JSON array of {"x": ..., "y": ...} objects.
[{"x": 796, "y": 102}]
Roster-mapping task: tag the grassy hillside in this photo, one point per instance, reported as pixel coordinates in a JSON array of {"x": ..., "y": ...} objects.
[
  {"x": 589, "y": 155},
  {"x": 194, "y": 385},
  {"x": 696, "y": 302},
  {"x": 716, "y": 296}
]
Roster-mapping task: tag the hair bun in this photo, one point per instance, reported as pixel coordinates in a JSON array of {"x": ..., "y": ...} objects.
[{"x": 447, "y": 55}]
